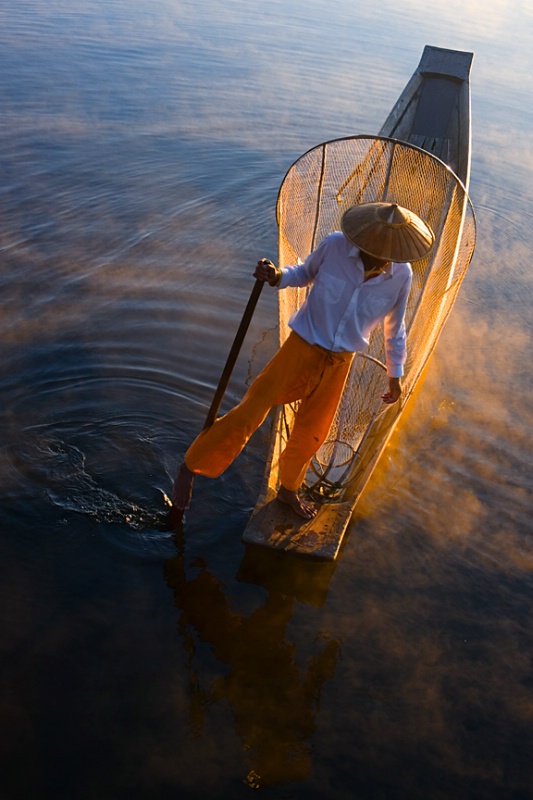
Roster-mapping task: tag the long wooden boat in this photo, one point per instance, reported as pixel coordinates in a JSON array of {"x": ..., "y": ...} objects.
[{"x": 421, "y": 160}]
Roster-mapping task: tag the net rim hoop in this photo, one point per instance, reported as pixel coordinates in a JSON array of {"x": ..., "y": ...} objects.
[{"x": 375, "y": 138}]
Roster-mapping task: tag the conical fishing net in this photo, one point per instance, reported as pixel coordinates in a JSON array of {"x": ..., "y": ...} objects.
[{"x": 316, "y": 191}]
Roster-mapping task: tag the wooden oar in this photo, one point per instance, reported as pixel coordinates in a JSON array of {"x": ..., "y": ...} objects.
[
  {"x": 233, "y": 353},
  {"x": 176, "y": 514}
]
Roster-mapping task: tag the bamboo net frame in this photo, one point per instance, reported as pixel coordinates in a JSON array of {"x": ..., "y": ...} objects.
[{"x": 316, "y": 191}]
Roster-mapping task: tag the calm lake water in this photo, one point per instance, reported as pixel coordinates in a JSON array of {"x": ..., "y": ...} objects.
[{"x": 142, "y": 145}]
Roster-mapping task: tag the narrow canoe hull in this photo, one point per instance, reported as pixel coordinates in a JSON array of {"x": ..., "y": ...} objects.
[
  {"x": 433, "y": 111},
  {"x": 316, "y": 191}
]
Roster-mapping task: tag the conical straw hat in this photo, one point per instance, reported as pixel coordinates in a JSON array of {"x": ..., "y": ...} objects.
[{"x": 386, "y": 230}]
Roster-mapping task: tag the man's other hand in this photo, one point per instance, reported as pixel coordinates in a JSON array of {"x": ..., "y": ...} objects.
[{"x": 394, "y": 392}]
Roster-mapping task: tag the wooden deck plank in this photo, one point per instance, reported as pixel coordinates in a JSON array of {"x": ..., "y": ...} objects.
[
  {"x": 435, "y": 110},
  {"x": 276, "y": 525},
  {"x": 437, "y": 147}
]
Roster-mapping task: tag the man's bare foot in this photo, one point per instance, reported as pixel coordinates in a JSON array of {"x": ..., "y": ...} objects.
[
  {"x": 182, "y": 489},
  {"x": 302, "y": 507}
]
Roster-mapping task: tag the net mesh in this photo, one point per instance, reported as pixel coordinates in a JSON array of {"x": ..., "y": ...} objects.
[{"x": 315, "y": 193}]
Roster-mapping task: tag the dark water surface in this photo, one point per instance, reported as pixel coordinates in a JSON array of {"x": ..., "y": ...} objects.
[{"x": 141, "y": 149}]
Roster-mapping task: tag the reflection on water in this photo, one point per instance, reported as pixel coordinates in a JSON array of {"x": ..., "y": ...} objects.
[
  {"x": 141, "y": 152},
  {"x": 272, "y": 699}
]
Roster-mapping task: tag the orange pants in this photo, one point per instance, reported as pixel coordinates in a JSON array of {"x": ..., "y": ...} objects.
[{"x": 298, "y": 371}]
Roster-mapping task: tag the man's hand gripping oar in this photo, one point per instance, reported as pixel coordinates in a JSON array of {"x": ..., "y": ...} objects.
[{"x": 183, "y": 483}]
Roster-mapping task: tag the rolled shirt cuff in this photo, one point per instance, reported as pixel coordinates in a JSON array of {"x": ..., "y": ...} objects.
[
  {"x": 282, "y": 280},
  {"x": 395, "y": 371}
]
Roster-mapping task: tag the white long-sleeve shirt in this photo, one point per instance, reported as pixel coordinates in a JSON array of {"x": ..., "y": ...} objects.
[{"x": 342, "y": 309}]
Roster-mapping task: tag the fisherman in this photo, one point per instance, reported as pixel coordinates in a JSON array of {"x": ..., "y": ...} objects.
[{"x": 360, "y": 277}]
